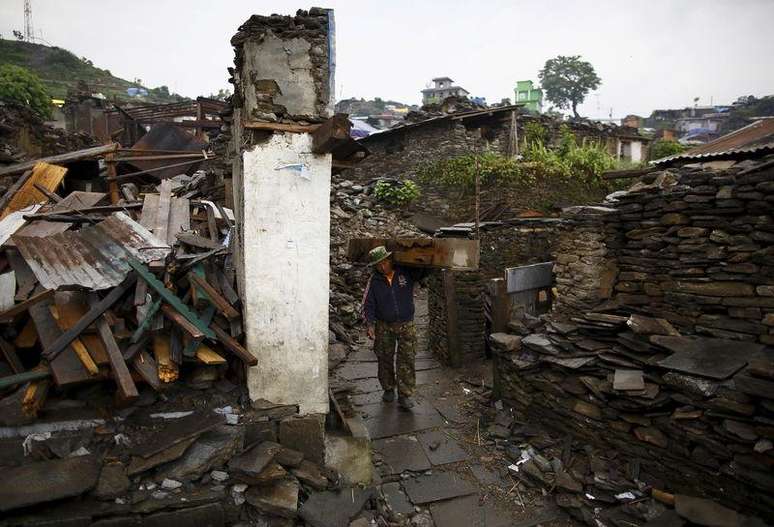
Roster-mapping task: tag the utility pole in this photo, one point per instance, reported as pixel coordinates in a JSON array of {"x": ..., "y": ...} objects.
[{"x": 29, "y": 32}]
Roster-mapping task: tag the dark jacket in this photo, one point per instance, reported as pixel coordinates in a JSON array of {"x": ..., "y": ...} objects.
[{"x": 391, "y": 303}]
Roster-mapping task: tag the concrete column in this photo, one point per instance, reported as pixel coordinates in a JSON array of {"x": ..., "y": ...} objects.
[
  {"x": 286, "y": 270},
  {"x": 284, "y": 76}
]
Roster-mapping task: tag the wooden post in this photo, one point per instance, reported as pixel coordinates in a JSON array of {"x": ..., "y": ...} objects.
[
  {"x": 452, "y": 327},
  {"x": 500, "y": 305},
  {"x": 112, "y": 183}
]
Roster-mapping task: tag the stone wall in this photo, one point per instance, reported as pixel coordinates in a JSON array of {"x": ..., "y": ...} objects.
[
  {"x": 470, "y": 318},
  {"x": 699, "y": 252},
  {"x": 659, "y": 347},
  {"x": 585, "y": 267},
  {"x": 520, "y": 243}
]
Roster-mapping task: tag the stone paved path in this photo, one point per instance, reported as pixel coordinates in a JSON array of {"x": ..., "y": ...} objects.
[{"x": 436, "y": 464}]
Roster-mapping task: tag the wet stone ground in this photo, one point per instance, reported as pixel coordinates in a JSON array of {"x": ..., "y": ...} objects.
[{"x": 440, "y": 464}]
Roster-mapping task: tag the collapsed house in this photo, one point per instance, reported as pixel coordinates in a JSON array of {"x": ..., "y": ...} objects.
[{"x": 146, "y": 377}]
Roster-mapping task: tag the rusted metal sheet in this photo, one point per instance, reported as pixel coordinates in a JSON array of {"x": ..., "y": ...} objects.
[
  {"x": 451, "y": 253},
  {"x": 94, "y": 257},
  {"x": 166, "y": 136}
]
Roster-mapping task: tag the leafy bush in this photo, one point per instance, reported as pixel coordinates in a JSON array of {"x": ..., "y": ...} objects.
[
  {"x": 535, "y": 132},
  {"x": 396, "y": 193},
  {"x": 460, "y": 172},
  {"x": 21, "y": 86},
  {"x": 665, "y": 148}
]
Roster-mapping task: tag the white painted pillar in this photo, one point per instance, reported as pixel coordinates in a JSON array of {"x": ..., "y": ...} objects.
[{"x": 285, "y": 249}]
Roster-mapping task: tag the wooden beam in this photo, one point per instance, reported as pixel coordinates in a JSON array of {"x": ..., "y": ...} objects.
[
  {"x": 96, "y": 151},
  {"x": 9, "y": 353},
  {"x": 194, "y": 240},
  {"x": 95, "y": 312},
  {"x": 11, "y": 192},
  {"x": 65, "y": 367},
  {"x": 21, "y": 378},
  {"x": 453, "y": 253},
  {"x": 499, "y": 309},
  {"x": 127, "y": 390},
  {"x": 280, "y": 127},
  {"x": 43, "y": 174},
  {"x": 145, "y": 323},
  {"x": 181, "y": 321},
  {"x": 331, "y": 134},
  {"x": 146, "y": 368},
  {"x": 223, "y": 305},
  {"x": 169, "y": 297},
  {"x": 23, "y": 306},
  {"x": 233, "y": 346}
]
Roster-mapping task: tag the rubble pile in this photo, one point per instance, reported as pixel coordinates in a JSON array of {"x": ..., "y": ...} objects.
[
  {"x": 24, "y": 135},
  {"x": 355, "y": 213},
  {"x": 598, "y": 486},
  {"x": 696, "y": 418}
]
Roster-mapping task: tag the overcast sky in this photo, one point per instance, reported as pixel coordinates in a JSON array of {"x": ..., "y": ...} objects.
[{"x": 651, "y": 54}]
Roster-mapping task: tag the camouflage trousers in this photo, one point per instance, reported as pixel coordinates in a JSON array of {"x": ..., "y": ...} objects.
[{"x": 396, "y": 370}]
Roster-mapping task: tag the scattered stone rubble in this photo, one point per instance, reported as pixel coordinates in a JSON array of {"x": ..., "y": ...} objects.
[{"x": 355, "y": 213}]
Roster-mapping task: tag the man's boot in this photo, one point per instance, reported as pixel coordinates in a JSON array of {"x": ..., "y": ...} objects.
[
  {"x": 407, "y": 403},
  {"x": 388, "y": 396}
]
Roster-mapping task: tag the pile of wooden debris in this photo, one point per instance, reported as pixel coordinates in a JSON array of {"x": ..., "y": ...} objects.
[{"x": 137, "y": 288}]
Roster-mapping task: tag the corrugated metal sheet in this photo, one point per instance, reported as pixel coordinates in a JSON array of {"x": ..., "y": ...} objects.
[
  {"x": 93, "y": 257},
  {"x": 754, "y": 138}
]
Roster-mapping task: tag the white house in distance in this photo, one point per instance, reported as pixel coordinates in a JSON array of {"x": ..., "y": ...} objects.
[{"x": 443, "y": 87}]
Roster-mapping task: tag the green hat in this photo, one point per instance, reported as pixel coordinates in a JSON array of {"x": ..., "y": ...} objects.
[{"x": 377, "y": 254}]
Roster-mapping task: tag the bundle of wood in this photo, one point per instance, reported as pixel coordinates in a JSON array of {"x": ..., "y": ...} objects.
[{"x": 134, "y": 291}]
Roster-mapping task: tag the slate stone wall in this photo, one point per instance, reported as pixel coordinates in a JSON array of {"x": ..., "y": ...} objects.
[{"x": 699, "y": 253}]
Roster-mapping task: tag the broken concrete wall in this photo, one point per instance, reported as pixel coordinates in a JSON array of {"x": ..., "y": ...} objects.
[
  {"x": 284, "y": 74},
  {"x": 285, "y": 67}
]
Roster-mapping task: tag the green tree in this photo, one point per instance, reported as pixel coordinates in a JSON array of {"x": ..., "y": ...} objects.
[
  {"x": 665, "y": 148},
  {"x": 21, "y": 86},
  {"x": 567, "y": 80}
]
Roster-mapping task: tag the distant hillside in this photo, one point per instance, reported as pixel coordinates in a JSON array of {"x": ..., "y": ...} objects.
[
  {"x": 376, "y": 106},
  {"x": 61, "y": 70}
]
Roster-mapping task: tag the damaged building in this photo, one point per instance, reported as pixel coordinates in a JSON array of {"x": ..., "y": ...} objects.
[{"x": 181, "y": 340}]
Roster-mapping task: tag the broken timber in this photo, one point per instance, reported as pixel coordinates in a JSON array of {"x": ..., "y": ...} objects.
[
  {"x": 452, "y": 253},
  {"x": 331, "y": 133},
  {"x": 96, "y": 151}
]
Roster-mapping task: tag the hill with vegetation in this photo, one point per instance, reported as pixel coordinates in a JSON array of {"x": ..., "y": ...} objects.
[{"x": 61, "y": 71}]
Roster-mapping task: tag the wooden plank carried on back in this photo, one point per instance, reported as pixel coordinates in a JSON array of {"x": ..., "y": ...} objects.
[{"x": 45, "y": 175}]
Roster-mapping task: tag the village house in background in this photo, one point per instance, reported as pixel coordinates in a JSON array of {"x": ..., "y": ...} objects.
[
  {"x": 529, "y": 95},
  {"x": 443, "y": 87}
]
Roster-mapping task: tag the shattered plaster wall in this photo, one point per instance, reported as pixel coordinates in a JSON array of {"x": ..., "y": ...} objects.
[{"x": 286, "y": 240}]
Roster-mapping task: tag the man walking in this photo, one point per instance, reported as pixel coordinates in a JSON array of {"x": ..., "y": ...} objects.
[{"x": 388, "y": 307}]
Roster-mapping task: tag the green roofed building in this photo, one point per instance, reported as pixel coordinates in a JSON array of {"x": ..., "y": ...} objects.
[{"x": 531, "y": 97}]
